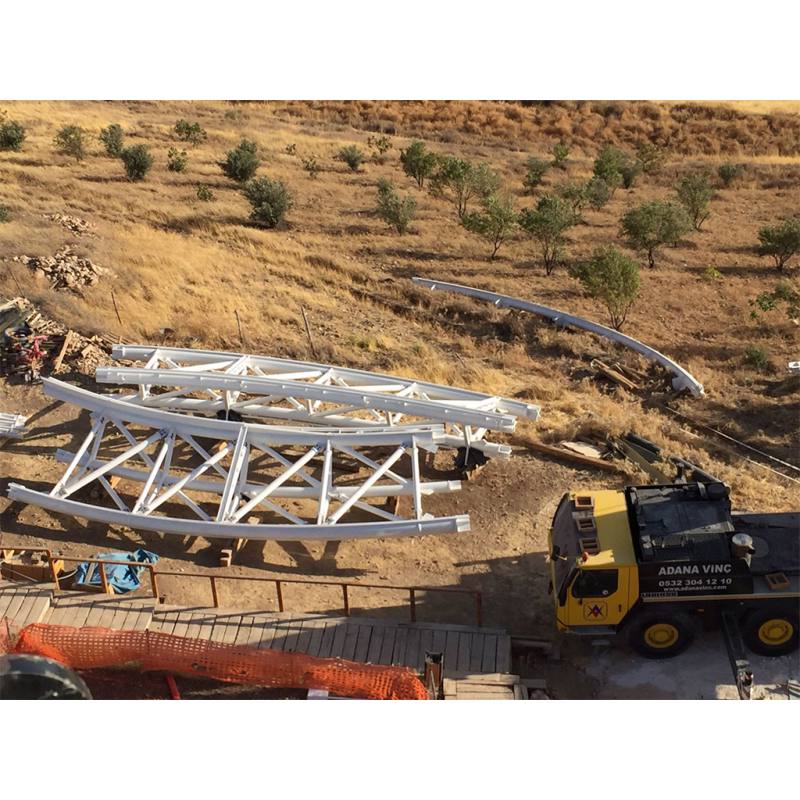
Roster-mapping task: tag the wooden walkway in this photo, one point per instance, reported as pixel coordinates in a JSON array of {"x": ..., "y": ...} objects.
[{"x": 467, "y": 649}]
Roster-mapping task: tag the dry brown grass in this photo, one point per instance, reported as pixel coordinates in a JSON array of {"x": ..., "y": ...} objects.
[{"x": 186, "y": 265}]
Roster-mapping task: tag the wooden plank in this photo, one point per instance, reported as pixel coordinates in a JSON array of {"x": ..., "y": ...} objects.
[
  {"x": 451, "y": 650},
  {"x": 94, "y": 616},
  {"x": 245, "y": 632},
  {"x": 204, "y": 622},
  {"x": 231, "y": 629},
  {"x": 503, "y": 654},
  {"x": 15, "y": 606},
  {"x": 267, "y": 632},
  {"x": 328, "y": 635},
  {"x": 485, "y": 679},
  {"x": 164, "y": 619},
  {"x": 292, "y": 636},
  {"x": 567, "y": 455},
  {"x": 387, "y": 646},
  {"x": 362, "y": 643},
  {"x": 339, "y": 639},
  {"x": 225, "y": 627},
  {"x": 425, "y": 645},
  {"x": 400, "y": 643},
  {"x": 317, "y": 632},
  {"x": 439, "y": 642},
  {"x": 109, "y": 609},
  {"x": 38, "y": 607},
  {"x": 489, "y": 660},
  {"x": 464, "y": 640},
  {"x": 143, "y": 617},
  {"x": 476, "y": 652},
  {"x": 76, "y": 613},
  {"x": 520, "y": 692},
  {"x": 411, "y": 654},
  {"x": 182, "y": 624},
  {"x": 351, "y": 638},
  {"x": 375, "y": 643},
  {"x": 304, "y": 636}
]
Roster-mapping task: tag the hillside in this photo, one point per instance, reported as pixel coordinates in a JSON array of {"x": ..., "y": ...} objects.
[{"x": 182, "y": 268}]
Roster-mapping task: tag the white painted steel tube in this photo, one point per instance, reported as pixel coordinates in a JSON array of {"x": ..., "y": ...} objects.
[
  {"x": 273, "y": 367},
  {"x": 436, "y": 410},
  {"x": 682, "y": 380},
  {"x": 232, "y": 530}
]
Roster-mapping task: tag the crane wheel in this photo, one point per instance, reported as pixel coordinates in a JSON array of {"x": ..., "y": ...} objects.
[
  {"x": 771, "y": 632},
  {"x": 656, "y": 634}
]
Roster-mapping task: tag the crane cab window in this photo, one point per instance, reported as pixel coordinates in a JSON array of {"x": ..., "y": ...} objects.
[{"x": 595, "y": 583}]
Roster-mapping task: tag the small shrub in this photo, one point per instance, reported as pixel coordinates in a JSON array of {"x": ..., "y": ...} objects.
[
  {"x": 780, "y": 241},
  {"x": 629, "y": 172},
  {"x": 204, "y": 193},
  {"x": 418, "y": 163},
  {"x": 728, "y": 173},
  {"x": 12, "y": 134},
  {"x": 5, "y": 214},
  {"x": 782, "y": 295},
  {"x": 495, "y": 223},
  {"x": 242, "y": 162},
  {"x": 597, "y": 193},
  {"x": 396, "y": 211},
  {"x": 608, "y": 165},
  {"x": 695, "y": 192},
  {"x": 270, "y": 200},
  {"x": 547, "y": 224},
  {"x": 235, "y": 115},
  {"x": 574, "y": 193},
  {"x": 177, "y": 160},
  {"x": 290, "y": 149},
  {"x": 560, "y": 153},
  {"x": 191, "y": 132},
  {"x": 612, "y": 277},
  {"x": 380, "y": 145},
  {"x": 536, "y": 169},
  {"x": 650, "y": 157},
  {"x": 352, "y": 156},
  {"x": 311, "y": 166},
  {"x": 711, "y": 274},
  {"x": 757, "y": 358},
  {"x": 651, "y": 225},
  {"x": 71, "y": 141},
  {"x": 112, "y": 138},
  {"x": 137, "y": 161}
]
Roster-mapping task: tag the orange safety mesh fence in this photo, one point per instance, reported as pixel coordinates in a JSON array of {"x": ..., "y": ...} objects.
[{"x": 91, "y": 648}]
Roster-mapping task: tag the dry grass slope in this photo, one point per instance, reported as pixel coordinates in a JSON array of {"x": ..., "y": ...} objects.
[{"x": 187, "y": 266}]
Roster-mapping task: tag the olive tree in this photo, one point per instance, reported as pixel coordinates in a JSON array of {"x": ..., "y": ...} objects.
[
  {"x": 650, "y": 157},
  {"x": 418, "y": 162},
  {"x": 112, "y": 139},
  {"x": 609, "y": 165},
  {"x": 536, "y": 169},
  {"x": 651, "y": 225},
  {"x": 460, "y": 181},
  {"x": 496, "y": 222},
  {"x": 560, "y": 152},
  {"x": 71, "y": 141},
  {"x": 548, "y": 224},
  {"x": 780, "y": 241},
  {"x": 396, "y": 211},
  {"x": 695, "y": 192},
  {"x": 613, "y": 278},
  {"x": 12, "y": 133}
]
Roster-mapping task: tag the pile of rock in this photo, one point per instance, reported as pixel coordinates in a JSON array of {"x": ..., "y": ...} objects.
[
  {"x": 65, "y": 269},
  {"x": 75, "y": 225}
]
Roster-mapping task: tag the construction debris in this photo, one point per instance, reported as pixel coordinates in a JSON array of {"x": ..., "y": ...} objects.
[
  {"x": 614, "y": 375},
  {"x": 60, "y": 346},
  {"x": 65, "y": 269},
  {"x": 570, "y": 455},
  {"x": 74, "y": 225}
]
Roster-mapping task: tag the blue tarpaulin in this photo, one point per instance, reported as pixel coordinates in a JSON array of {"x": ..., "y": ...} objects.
[{"x": 121, "y": 578}]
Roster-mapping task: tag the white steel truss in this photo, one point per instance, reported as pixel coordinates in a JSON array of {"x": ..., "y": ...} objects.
[
  {"x": 220, "y": 478},
  {"x": 681, "y": 381},
  {"x": 214, "y": 383}
]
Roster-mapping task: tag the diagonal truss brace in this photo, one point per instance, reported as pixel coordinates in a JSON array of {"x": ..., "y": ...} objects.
[{"x": 240, "y": 493}]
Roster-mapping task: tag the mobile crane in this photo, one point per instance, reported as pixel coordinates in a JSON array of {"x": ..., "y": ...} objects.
[{"x": 658, "y": 563}]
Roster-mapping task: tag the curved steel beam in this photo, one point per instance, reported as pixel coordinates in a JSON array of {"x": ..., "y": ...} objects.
[
  {"x": 286, "y": 369},
  {"x": 216, "y": 530},
  {"x": 682, "y": 380}
]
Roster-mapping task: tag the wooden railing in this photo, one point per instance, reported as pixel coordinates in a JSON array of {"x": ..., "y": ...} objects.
[{"x": 279, "y": 583}]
